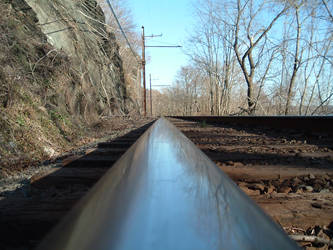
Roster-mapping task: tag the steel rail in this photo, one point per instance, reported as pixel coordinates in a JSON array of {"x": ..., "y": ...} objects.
[
  {"x": 164, "y": 193},
  {"x": 306, "y": 123}
]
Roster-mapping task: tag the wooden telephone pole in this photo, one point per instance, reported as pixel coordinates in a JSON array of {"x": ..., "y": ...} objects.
[
  {"x": 144, "y": 71},
  {"x": 151, "y": 100},
  {"x": 144, "y": 65}
]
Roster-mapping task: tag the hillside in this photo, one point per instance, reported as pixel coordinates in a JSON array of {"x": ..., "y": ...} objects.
[{"x": 60, "y": 73}]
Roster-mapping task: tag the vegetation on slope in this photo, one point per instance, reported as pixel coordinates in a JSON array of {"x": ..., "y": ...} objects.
[{"x": 46, "y": 104}]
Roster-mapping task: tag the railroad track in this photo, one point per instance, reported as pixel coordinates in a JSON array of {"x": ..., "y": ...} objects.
[
  {"x": 40, "y": 204},
  {"x": 287, "y": 172}
]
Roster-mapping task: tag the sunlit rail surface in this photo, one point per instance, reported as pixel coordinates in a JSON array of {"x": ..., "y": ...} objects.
[{"x": 164, "y": 193}]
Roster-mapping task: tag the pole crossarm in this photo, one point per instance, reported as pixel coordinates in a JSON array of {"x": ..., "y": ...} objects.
[
  {"x": 162, "y": 46},
  {"x": 144, "y": 46},
  {"x": 152, "y": 36}
]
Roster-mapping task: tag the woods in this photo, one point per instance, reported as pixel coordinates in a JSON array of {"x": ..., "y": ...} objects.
[{"x": 256, "y": 57}]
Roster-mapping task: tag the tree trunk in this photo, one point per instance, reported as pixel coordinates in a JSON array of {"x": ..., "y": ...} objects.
[
  {"x": 250, "y": 102},
  {"x": 217, "y": 106},
  {"x": 211, "y": 95},
  {"x": 296, "y": 66}
]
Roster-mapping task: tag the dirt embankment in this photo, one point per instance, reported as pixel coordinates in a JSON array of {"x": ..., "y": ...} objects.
[{"x": 60, "y": 72}]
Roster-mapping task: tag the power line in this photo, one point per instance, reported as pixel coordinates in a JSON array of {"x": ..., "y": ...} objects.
[
  {"x": 144, "y": 46},
  {"x": 162, "y": 42},
  {"x": 121, "y": 28}
]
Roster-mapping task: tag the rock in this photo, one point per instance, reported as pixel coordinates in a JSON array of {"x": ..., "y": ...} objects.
[
  {"x": 229, "y": 163},
  {"x": 327, "y": 184},
  {"x": 317, "y": 187},
  {"x": 238, "y": 164},
  {"x": 322, "y": 234},
  {"x": 324, "y": 191},
  {"x": 309, "y": 189},
  {"x": 296, "y": 181},
  {"x": 328, "y": 232},
  {"x": 309, "y": 247},
  {"x": 311, "y": 177},
  {"x": 250, "y": 191},
  {"x": 314, "y": 230},
  {"x": 256, "y": 186},
  {"x": 326, "y": 177},
  {"x": 330, "y": 226},
  {"x": 294, "y": 188},
  {"x": 326, "y": 150},
  {"x": 320, "y": 181},
  {"x": 49, "y": 151},
  {"x": 275, "y": 183},
  {"x": 269, "y": 189},
  {"x": 241, "y": 184},
  {"x": 316, "y": 205},
  {"x": 288, "y": 183},
  {"x": 299, "y": 191},
  {"x": 284, "y": 190}
]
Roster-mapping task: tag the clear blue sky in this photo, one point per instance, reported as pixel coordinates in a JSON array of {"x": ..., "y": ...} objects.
[{"x": 173, "y": 19}]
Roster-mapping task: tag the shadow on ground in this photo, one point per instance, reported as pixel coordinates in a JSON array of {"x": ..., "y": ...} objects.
[{"x": 30, "y": 212}]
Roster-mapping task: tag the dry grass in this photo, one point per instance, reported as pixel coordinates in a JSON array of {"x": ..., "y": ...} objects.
[{"x": 46, "y": 106}]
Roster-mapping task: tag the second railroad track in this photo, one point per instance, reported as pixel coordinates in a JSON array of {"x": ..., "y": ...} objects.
[{"x": 286, "y": 169}]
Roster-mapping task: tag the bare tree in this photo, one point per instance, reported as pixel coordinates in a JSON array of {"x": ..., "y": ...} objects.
[
  {"x": 329, "y": 12},
  {"x": 297, "y": 57},
  {"x": 282, "y": 49},
  {"x": 254, "y": 37},
  {"x": 210, "y": 47}
]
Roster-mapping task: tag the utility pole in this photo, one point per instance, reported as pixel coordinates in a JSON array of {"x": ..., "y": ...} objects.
[
  {"x": 151, "y": 100},
  {"x": 144, "y": 66},
  {"x": 144, "y": 71}
]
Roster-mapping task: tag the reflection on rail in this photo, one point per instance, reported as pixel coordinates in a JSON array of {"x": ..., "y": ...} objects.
[{"x": 164, "y": 193}]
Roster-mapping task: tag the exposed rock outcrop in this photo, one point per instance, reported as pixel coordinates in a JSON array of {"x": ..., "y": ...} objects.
[
  {"x": 77, "y": 28},
  {"x": 60, "y": 71}
]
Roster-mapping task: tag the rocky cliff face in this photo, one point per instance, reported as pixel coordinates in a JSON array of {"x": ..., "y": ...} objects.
[
  {"x": 60, "y": 71},
  {"x": 77, "y": 28}
]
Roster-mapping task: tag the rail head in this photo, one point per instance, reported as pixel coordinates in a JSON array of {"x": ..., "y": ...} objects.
[
  {"x": 164, "y": 193},
  {"x": 301, "y": 123}
]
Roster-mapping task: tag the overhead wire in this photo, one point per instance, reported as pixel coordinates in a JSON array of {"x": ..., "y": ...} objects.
[
  {"x": 162, "y": 42},
  {"x": 122, "y": 30}
]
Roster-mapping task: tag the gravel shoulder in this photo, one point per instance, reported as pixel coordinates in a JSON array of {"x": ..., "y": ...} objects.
[{"x": 17, "y": 183}]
